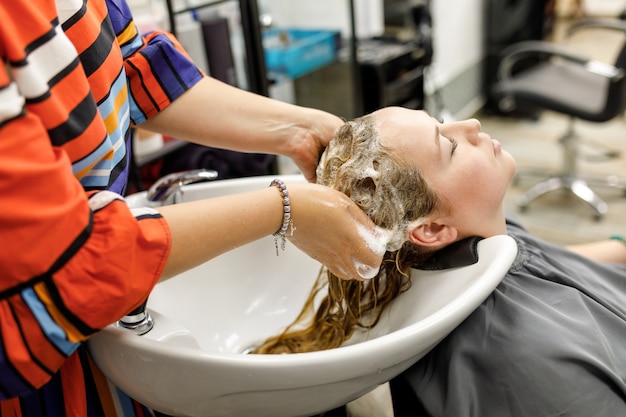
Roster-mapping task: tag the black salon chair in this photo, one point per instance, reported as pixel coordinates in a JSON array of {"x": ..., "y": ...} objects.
[{"x": 556, "y": 78}]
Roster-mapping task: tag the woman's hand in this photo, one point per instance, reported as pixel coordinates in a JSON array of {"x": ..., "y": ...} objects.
[
  {"x": 330, "y": 228},
  {"x": 315, "y": 129}
]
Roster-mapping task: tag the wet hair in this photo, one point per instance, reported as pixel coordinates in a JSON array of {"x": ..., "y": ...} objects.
[{"x": 392, "y": 194}]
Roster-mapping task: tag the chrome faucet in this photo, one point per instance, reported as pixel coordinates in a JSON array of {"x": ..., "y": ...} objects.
[
  {"x": 137, "y": 321},
  {"x": 168, "y": 189}
]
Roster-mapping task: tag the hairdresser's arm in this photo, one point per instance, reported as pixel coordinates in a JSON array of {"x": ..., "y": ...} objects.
[
  {"x": 326, "y": 221},
  {"x": 608, "y": 250},
  {"x": 216, "y": 114}
]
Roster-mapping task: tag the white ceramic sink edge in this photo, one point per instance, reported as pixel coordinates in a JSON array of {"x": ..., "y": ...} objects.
[{"x": 192, "y": 365}]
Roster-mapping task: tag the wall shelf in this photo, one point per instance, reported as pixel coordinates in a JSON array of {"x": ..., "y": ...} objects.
[{"x": 169, "y": 145}]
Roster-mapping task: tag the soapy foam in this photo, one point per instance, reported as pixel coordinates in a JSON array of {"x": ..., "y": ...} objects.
[
  {"x": 375, "y": 240},
  {"x": 365, "y": 271},
  {"x": 378, "y": 241},
  {"x": 370, "y": 172},
  {"x": 363, "y": 166}
]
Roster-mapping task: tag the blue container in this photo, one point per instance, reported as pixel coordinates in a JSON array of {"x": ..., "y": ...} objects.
[{"x": 295, "y": 52}]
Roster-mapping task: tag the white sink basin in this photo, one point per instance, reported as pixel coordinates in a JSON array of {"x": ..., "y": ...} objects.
[{"x": 191, "y": 363}]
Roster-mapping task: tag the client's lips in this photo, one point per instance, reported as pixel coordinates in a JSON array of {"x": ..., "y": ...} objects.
[{"x": 497, "y": 147}]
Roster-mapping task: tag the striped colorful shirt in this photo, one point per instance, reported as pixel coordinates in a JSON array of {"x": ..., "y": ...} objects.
[{"x": 76, "y": 75}]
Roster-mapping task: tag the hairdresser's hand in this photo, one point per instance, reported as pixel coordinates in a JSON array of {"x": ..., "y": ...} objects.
[
  {"x": 313, "y": 133},
  {"x": 333, "y": 230}
]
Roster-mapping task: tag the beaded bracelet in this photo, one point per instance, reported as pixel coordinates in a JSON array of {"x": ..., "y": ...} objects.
[
  {"x": 619, "y": 238},
  {"x": 287, "y": 222}
]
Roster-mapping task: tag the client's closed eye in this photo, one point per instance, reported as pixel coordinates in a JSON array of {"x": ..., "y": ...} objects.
[{"x": 454, "y": 143}]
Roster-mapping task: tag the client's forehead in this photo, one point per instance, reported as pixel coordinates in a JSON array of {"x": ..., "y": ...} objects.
[
  {"x": 399, "y": 127},
  {"x": 392, "y": 118}
]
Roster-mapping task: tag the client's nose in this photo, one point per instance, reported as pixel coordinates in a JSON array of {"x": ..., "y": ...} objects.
[{"x": 471, "y": 128}]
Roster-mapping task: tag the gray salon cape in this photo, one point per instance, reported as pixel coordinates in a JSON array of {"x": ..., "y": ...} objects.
[{"x": 549, "y": 341}]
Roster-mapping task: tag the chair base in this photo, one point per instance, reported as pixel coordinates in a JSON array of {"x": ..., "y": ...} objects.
[{"x": 579, "y": 186}]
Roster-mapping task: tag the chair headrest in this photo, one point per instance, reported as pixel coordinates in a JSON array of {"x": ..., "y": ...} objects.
[{"x": 461, "y": 253}]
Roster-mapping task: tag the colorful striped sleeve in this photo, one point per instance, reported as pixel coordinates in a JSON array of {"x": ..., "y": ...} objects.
[
  {"x": 157, "y": 66},
  {"x": 71, "y": 261}
]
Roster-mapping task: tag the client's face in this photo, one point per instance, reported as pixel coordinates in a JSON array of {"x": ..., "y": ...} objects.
[{"x": 466, "y": 168}]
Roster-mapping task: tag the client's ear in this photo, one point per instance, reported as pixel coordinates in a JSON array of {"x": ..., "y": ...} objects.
[{"x": 431, "y": 233}]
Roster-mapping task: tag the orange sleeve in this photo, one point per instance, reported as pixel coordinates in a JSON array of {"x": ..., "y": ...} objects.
[{"x": 72, "y": 262}]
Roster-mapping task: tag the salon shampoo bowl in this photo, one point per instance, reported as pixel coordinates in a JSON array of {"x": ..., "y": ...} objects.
[{"x": 193, "y": 362}]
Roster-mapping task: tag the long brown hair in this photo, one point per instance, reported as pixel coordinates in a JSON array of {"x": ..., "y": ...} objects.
[{"x": 392, "y": 194}]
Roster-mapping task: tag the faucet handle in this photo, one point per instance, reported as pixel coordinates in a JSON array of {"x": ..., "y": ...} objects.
[{"x": 164, "y": 188}]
